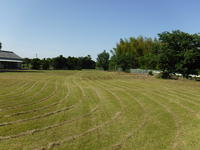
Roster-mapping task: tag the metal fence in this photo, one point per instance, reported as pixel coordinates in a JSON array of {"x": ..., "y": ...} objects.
[{"x": 144, "y": 71}]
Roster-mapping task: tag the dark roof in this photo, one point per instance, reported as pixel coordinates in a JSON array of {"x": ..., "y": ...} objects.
[{"x": 9, "y": 55}]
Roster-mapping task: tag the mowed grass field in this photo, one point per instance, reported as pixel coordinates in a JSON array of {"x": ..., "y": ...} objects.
[{"x": 96, "y": 110}]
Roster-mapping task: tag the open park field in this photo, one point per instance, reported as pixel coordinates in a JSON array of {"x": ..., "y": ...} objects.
[{"x": 96, "y": 110}]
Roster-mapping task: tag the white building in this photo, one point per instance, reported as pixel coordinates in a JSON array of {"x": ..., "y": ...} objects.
[{"x": 9, "y": 60}]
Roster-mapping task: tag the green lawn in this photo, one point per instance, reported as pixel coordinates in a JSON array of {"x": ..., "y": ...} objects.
[{"x": 95, "y": 110}]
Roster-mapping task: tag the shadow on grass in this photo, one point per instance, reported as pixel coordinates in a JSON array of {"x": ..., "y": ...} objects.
[{"x": 20, "y": 71}]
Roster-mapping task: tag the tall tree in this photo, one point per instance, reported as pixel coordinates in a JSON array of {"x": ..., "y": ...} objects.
[
  {"x": 45, "y": 64},
  {"x": 26, "y": 63},
  {"x": 36, "y": 63},
  {"x": 180, "y": 52},
  {"x": 86, "y": 62},
  {"x": 103, "y": 60},
  {"x": 135, "y": 53},
  {"x": 59, "y": 62}
]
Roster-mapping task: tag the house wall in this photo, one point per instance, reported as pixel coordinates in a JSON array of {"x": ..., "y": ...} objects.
[
  {"x": 10, "y": 65},
  {"x": 1, "y": 65}
]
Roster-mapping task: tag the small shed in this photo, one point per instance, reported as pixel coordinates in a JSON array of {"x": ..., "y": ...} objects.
[{"x": 9, "y": 60}]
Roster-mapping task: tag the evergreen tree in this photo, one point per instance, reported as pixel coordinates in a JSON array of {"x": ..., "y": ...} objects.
[{"x": 103, "y": 60}]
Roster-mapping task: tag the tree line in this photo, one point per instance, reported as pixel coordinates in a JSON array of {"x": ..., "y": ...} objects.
[
  {"x": 172, "y": 52},
  {"x": 59, "y": 63}
]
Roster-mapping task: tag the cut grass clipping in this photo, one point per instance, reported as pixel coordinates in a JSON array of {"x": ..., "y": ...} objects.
[{"x": 96, "y": 110}]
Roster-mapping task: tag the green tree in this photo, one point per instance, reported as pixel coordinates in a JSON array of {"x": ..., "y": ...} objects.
[
  {"x": 103, "y": 60},
  {"x": 191, "y": 63},
  {"x": 26, "y": 63},
  {"x": 86, "y": 62},
  {"x": 135, "y": 53},
  {"x": 148, "y": 61},
  {"x": 180, "y": 52},
  {"x": 59, "y": 62},
  {"x": 45, "y": 64},
  {"x": 36, "y": 63}
]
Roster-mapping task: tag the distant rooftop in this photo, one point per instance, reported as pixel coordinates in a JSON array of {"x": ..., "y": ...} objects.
[{"x": 8, "y": 55}]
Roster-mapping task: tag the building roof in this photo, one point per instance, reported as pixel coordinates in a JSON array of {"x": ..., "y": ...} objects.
[{"x": 9, "y": 56}]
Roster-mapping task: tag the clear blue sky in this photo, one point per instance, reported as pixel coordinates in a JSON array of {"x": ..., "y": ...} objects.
[{"x": 80, "y": 27}]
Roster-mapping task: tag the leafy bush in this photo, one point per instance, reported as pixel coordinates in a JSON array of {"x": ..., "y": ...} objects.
[
  {"x": 150, "y": 73},
  {"x": 164, "y": 75},
  {"x": 197, "y": 78}
]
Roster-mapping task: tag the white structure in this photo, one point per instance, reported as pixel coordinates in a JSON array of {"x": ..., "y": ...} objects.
[{"x": 9, "y": 60}]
